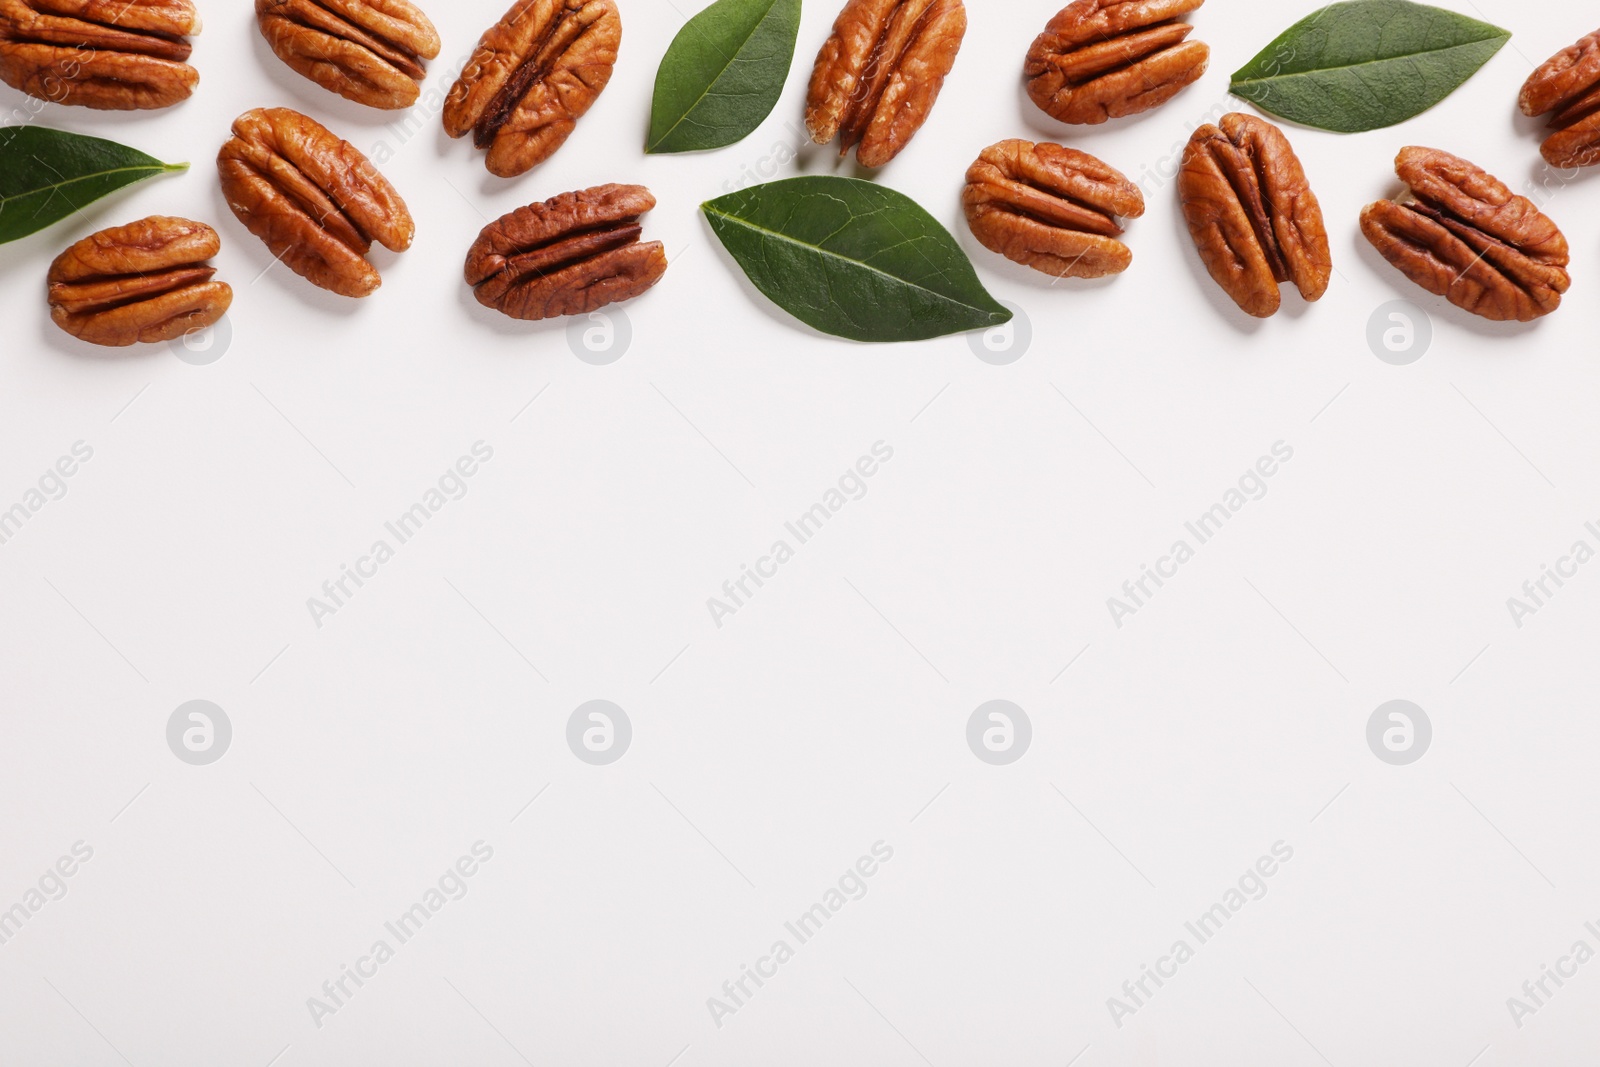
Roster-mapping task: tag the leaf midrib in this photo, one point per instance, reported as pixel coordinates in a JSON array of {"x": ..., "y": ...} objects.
[
  {"x": 156, "y": 168},
  {"x": 1502, "y": 37},
  {"x": 771, "y": 7},
  {"x": 780, "y": 235}
]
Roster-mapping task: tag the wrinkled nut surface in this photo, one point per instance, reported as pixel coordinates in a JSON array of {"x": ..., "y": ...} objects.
[
  {"x": 1252, "y": 213},
  {"x": 570, "y": 255},
  {"x": 1463, "y": 235},
  {"x": 534, "y": 74},
  {"x": 112, "y": 55},
  {"x": 1569, "y": 86},
  {"x": 880, "y": 72},
  {"x": 1104, "y": 59},
  {"x": 374, "y": 52},
  {"x": 143, "y": 282},
  {"x": 1051, "y": 208},
  {"x": 316, "y": 201}
]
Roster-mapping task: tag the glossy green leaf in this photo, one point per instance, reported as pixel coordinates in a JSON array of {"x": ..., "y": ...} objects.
[
  {"x": 853, "y": 259},
  {"x": 723, "y": 74},
  {"x": 1367, "y": 64},
  {"x": 46, "y": 175}
]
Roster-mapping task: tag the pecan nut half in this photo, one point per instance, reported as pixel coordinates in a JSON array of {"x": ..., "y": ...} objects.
[
  {"x": 1463, "y": 235},
  {"x": 1252, "y": 213},
  {"x": 374, "y": 52},
  {"x": 1104, "y": 59},
  {"x": 112, "y": 55},
  {"x": 317, "y": 202},
  {"x": 146, "y": 281},
  {"x": 534, "y": 75},
  {"x": 1569, "y": 85},
  {"x": 1051, "y": 208},
  {"x": 878, "y": 75},
  {"x": 570, "y": 255}
]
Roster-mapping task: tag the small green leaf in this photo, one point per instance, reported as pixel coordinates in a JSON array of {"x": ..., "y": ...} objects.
[
  {"x": 723, "y": 74},
  {"x": 853, "y": 259},
  {"x": 46, "y": 175},
  {"x": 1367, "y": 64}
]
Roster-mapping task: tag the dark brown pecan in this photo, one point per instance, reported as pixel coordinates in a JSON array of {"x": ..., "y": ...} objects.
[
  {"x": 880, "y": 72},
  {"x": 1103, "y": 59},
  {"x": 532, "y": 78},
  {"x": 1252, "y": 213},
  {"x": 146, "y": 281},
  {"x": 1463, "y": 235},
  {"x": 1051, "y": 208},
  {"x": 113, "y": 55},
  {"x": 570, "y": 255},
  {"x": 374, "y": 52},
  {"x": 317, "y": 202},
  {"x": 1569, "y": 85}
]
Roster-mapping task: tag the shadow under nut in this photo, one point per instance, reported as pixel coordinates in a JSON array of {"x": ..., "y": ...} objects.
[
  {"x": 374, "y": 52},
  {"x": 880, "y": 72},
  {"x": 1051, "y": 208},
  {"x": 572, "y": 254},
  {"x": 145, "y": 282},
  {"x": 534, "y": 74},
  {"x": 1104, "y": 59},
  {"x": 315, "y": 201},
  {"x": 1252, "y": 214},
  {"x": 110, "y": 55}
]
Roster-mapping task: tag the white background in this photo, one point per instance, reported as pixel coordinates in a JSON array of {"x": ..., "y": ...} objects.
[{"x": 769, "y": 754}]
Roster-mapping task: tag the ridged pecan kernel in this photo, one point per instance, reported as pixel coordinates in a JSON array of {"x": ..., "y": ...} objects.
[
  {"x": 316, "y": 201},
  {"x": 144, "y": 282},
  {"x": 1568, "y": 84},
  {"x": 1105, "y": 59},
  {"x": 374, "y": 52},
  {"x": 111, "y": 55},
  {"x": 1461, "y": 234},
  {"x": 570, "y": 255},
  {"x": 534, "y": 75},
  {"x": 878, "y": 75},
  {"x": 1051, "y": 208},
  {"x": 1252, "y": 213}
]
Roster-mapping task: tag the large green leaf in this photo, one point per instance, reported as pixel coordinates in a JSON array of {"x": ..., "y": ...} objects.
[
  {"x": 723, "y": 74},
  {"x": 853, "y": 259},
  {"x": 1367, "y": 64},
  {"x": 46, "y": 175}
]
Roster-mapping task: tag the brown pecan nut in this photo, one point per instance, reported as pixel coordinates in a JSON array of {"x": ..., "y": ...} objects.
[
  {"x": 570, "y": 255},
  {"x": 1252, "y": 213},
  {"x": 531, "y": 79},
  {"x": 1569, "y": 85},
  {"x": 879, "y": 73},
  {"x": 374, "y": 52},
  {"x": 146, "y": 281},
  {"x": 113, "y": 55},
  {"x": 1051, "y": 208},
  {"x": 1103, "y": 59},
  {"x": 1463, "y": 235},
  {"x": 316, "y": 201}
]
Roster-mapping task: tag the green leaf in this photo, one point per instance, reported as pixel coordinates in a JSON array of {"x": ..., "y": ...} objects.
[
  {"x": 1367, "y": 64},
  {"x": 853, "y": 259},
  {"x": 46, "y": 175},
  {"x": 723, "y": 74}
]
